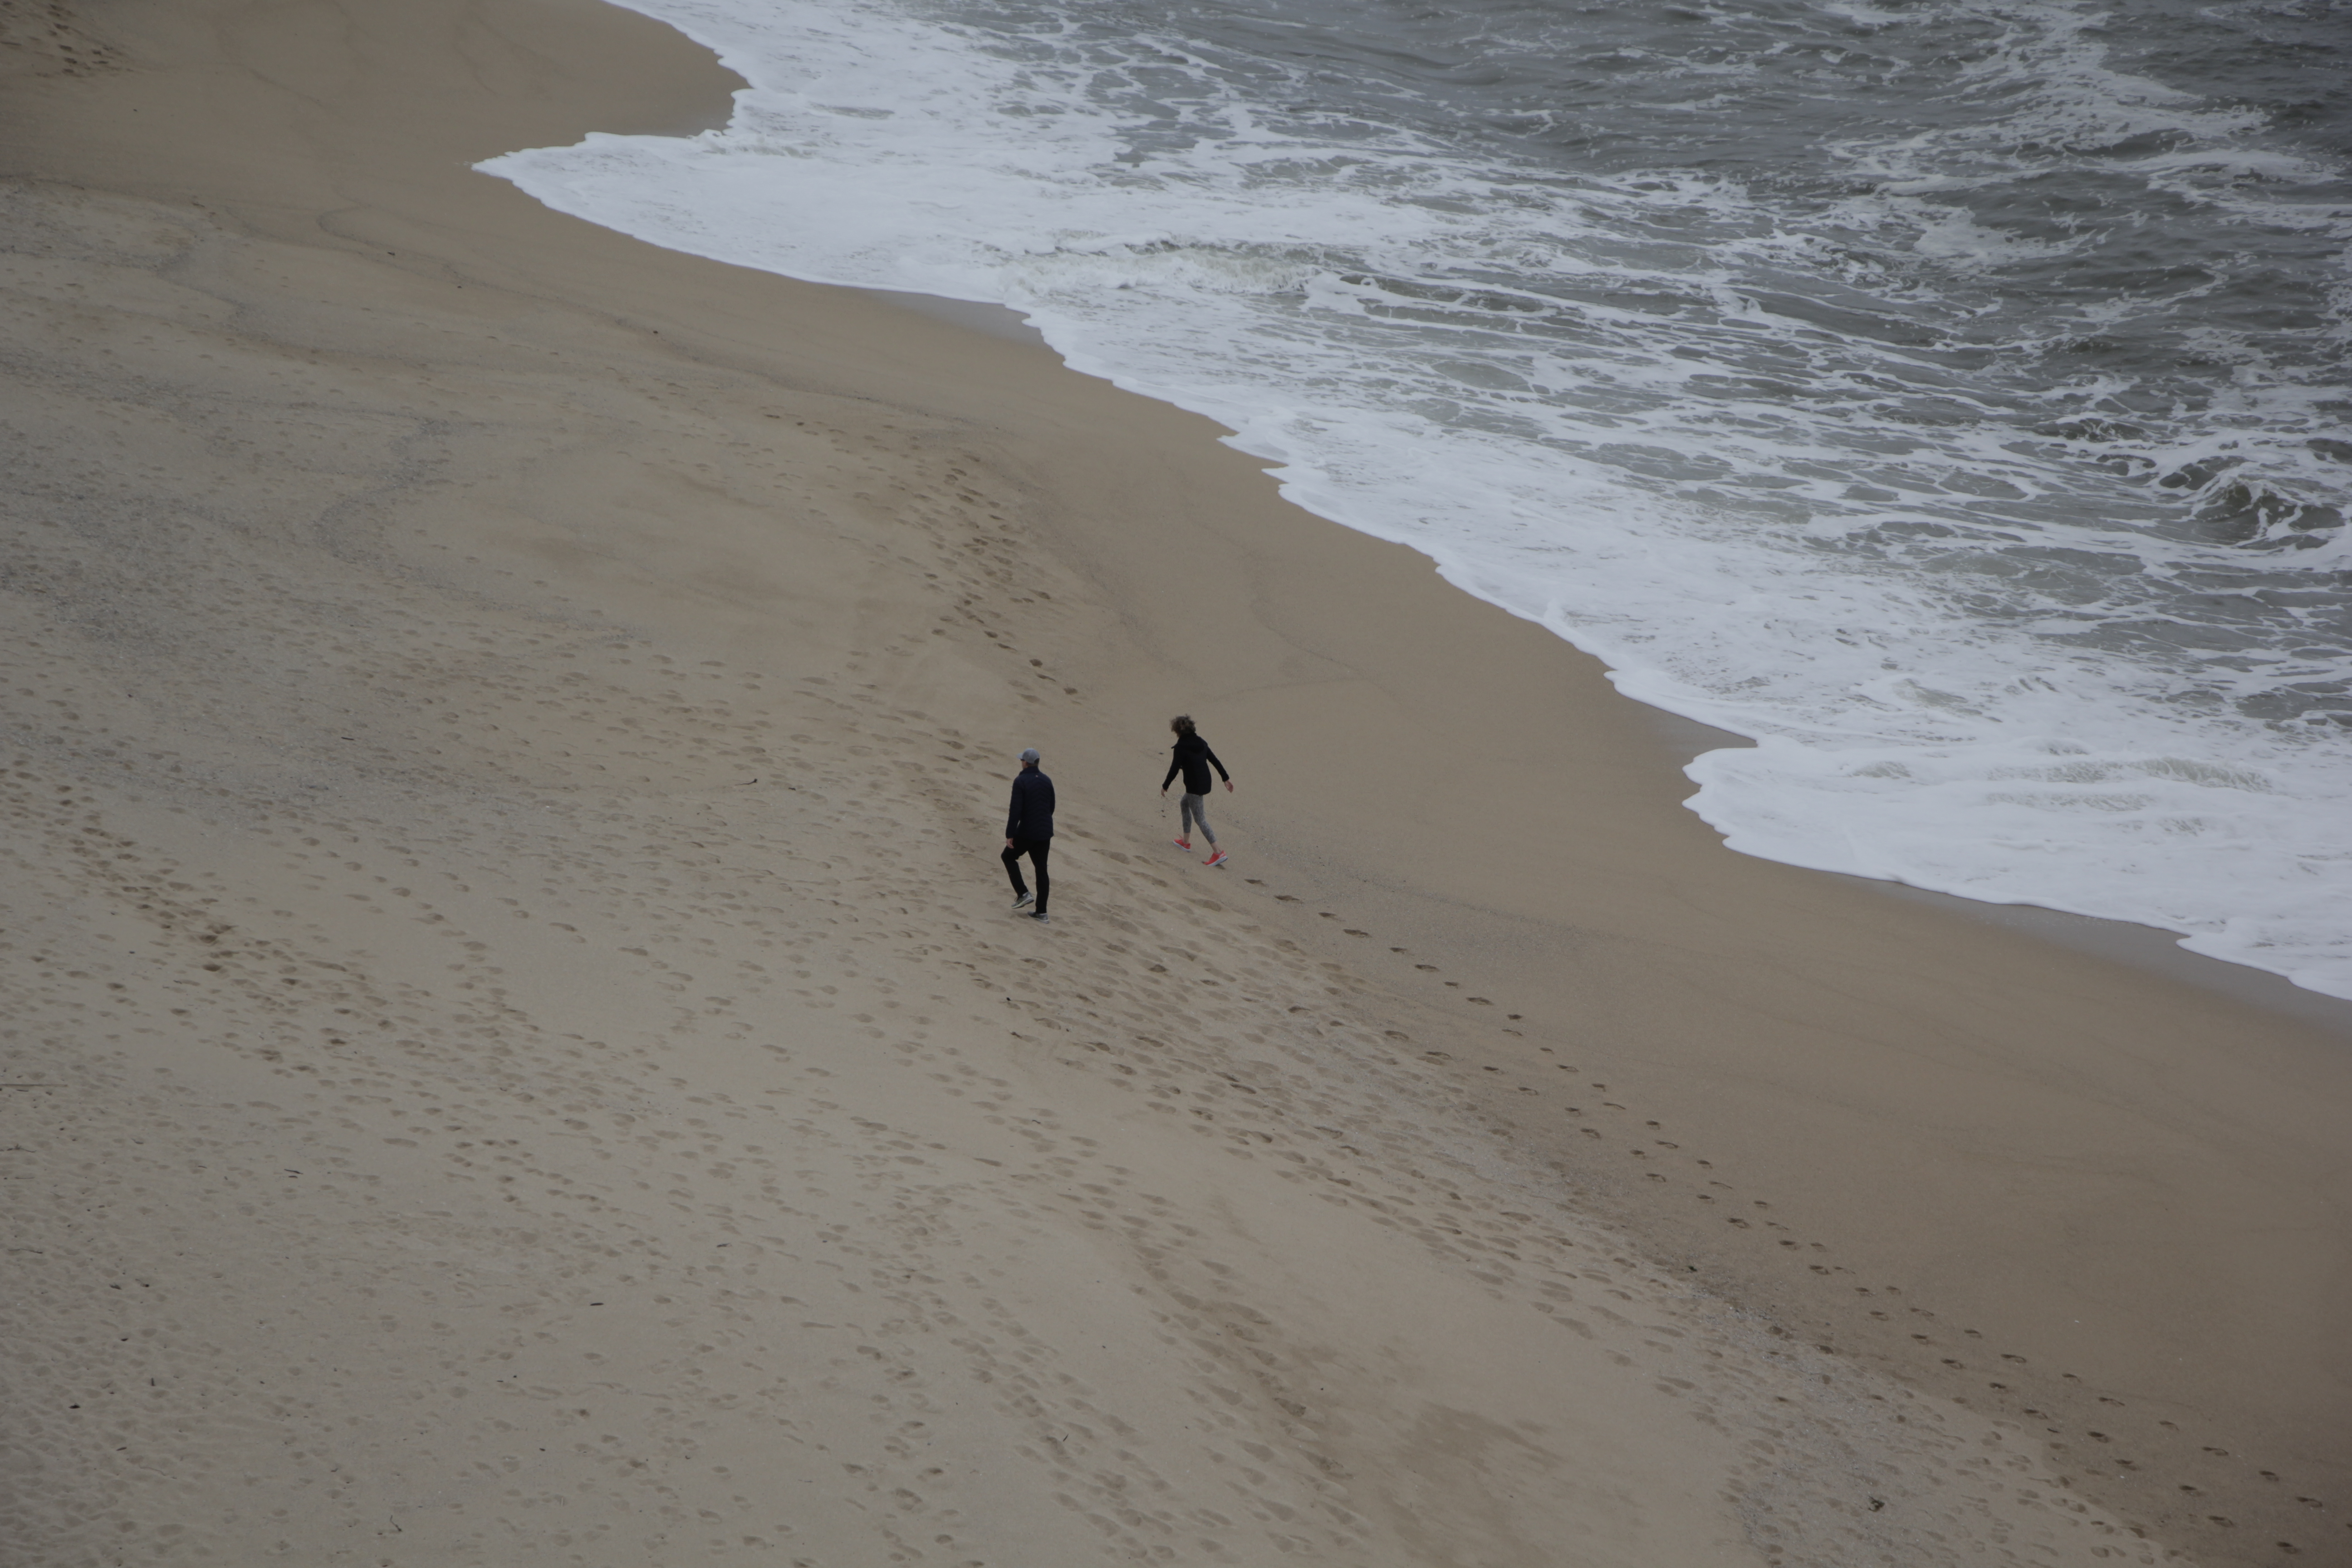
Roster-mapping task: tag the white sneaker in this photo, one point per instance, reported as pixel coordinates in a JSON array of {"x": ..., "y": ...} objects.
[
  {"x": 1042, "y": 918},
  {"x": 1021, "y": 903}
]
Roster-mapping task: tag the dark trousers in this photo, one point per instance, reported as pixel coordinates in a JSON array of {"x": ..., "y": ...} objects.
[{"x": 1036, "y": 849}]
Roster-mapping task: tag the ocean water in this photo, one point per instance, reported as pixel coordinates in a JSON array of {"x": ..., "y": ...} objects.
[{"x": 1955, "y": 396}]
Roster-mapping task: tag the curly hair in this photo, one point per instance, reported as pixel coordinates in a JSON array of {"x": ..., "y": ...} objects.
[{"x": 1181, "y": 723}]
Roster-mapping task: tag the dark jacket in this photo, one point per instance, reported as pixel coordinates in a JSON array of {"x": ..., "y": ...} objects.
[
  {"x": 1193, "y": 759},
  {"x": 1032, "y": 806}
]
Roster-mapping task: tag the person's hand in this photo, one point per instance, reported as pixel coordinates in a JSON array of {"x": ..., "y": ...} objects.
[
  {"x": 1229, "y": 786},
  {"x": 1008, "y": 844}
]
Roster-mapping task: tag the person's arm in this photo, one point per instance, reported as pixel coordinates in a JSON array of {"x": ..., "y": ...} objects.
[
  {"x": 1013, "y": 817},
  {"x": 1175, "y": 764},
  {"x": 1221, "y": 769}
]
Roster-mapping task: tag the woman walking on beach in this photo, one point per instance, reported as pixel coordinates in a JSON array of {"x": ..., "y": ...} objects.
[{"x": 1193, "y": 759}]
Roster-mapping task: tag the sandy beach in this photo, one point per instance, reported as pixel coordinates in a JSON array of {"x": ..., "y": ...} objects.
[{"x": 518, "y": 1052}]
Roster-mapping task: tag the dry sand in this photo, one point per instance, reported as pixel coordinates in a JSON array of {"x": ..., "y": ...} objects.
[{"x": 516, "y": 1051}]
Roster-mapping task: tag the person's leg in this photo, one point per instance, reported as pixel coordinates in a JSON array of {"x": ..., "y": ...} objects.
[
  {"x": 1038, "y": 849},
  {"x": 1012, "y": 858},
  {"x": 1196, "y": 809}
]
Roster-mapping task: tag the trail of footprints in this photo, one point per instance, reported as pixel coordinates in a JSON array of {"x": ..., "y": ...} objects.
[
  {"x": 1754, "y": 1216},
  {"x": 42, "y": 36}
]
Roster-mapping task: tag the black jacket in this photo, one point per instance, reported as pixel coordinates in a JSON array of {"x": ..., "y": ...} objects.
[
  {"x": 1032, "y": 806},
  {"x": 1193, "y": 759}
]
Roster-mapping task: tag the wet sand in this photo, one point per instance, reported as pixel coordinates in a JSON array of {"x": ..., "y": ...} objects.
[{"x": 518, "y": 1051}]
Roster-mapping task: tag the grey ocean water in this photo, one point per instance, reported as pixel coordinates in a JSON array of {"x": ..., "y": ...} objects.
[
  {"x": 2081, "y": 351},
  {"x": 1954, "y": 396}
]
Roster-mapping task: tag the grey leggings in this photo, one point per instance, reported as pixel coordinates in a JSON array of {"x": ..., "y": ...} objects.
[{"x": 1195, "y": 808}]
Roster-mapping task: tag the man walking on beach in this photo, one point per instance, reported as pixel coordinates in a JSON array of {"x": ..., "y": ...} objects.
[
  {"x": 1193, "y": 759},
  {"x": 1029, "y": 830}
]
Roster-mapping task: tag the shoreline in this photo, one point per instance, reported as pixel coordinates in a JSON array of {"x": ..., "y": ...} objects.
[
  {"x": 2154, "y": 948},
  {"x": 1965, "y": 1135}
]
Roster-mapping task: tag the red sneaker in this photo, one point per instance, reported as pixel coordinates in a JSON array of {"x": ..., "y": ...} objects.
[
  {"x": 1219, "y": 858},
  {"x": 1185, "y": 845}
]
